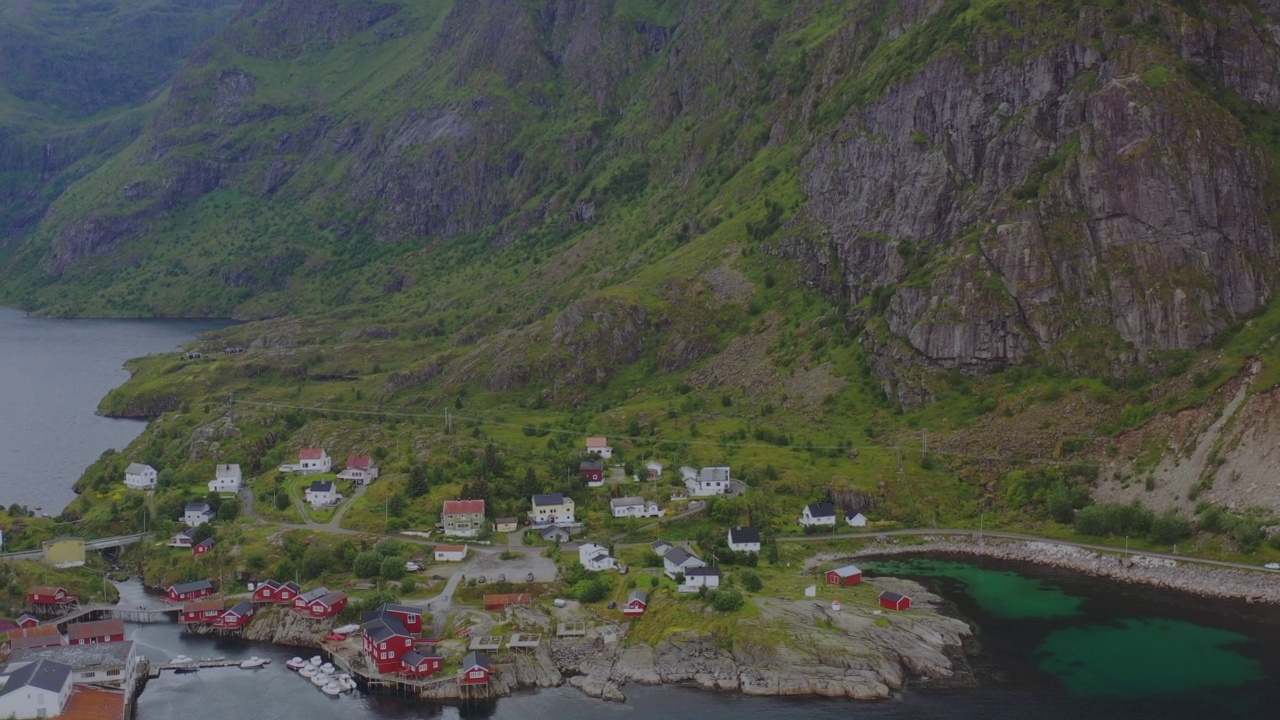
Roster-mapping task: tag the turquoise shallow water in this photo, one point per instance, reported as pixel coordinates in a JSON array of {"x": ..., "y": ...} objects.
[{"x": 1001, "y": 593}]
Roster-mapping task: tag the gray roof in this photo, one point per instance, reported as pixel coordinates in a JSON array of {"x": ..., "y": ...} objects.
[
  {"x": 661, "y": 546},
  {"x": 702, "y": 572},
  {"x": 242, "y": 608},
  {"x": 892, "y": 597},
  {"x": 550, "y": 499},
  {"x": 314, "y": 594},
  {"x": 79, "y": 657},
  {"x": 192, "y": 586},
  {"x": 45, "y": 674},
  {"x": 625, "y": 501},
  {"x": 474, "y": 658},
  {"x": 199, "y": 506},
  {"x": 333, "y": 598},
  {"x": 822, "y": 509},
  {"x": 591, "y": 465},
  {"x": 554, "y": 531},
  {"x": 384, "y": 627},
  {"x": 138, "y": 468},
  {"x": 640, "y": 595},
  {"x": 848, "y": 570},
  {"x": 679, "y": 557}
]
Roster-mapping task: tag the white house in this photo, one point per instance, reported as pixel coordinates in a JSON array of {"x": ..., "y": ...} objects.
[
  {"x": 140, "y": 477},
  {"x": 35, "y": 690},
  {"x": 707, "y": 481},
  {"x": 599, "y": 446},
  {"x": 97, "y": 663},
  {"x": 197, "y": 513},
  {"x": 226, "y": 479},
  {"x": 322, "y": 493},
  {"x": 312, "y": 460},
  {"x": 817, "y": 514},
  {"x": 856, "y": 520},
  {"x": 451, "y": 553},
  {"x": 635, "y": 507},
  {"x": 596, "y": 557},
  {"x": 678, "y": 561},
  {"x": 361, "y": 470},
  {"x": 744, "y": 539},
  {"x": 695, "y": 578},
  {"x": 653, "y": 470},
  {"x": 551, "y": 509}
]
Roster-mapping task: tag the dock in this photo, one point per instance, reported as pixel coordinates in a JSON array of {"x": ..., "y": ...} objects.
[{"x": 202, "y": 664}]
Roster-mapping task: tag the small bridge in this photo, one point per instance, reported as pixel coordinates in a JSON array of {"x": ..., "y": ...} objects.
[
  {"x": 110, "y": 543},
  {"x": 133, "y": 615}
]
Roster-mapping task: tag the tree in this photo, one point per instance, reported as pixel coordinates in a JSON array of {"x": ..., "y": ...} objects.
[
  {"x": 314, "y": 563},
  {"x": 229, "y": 509},
  {"x": 202, "y": 533},
  {"x": 491, "y": 464},
  {"x": 407, "y": 585},
  {"x": 392, "y": 568},
  {"x": 255, "y": 562},
  {"x": 751, "y": 580},
  {"x": 529, "y": 486},
  {"x": 282, "y": 500},
  {"x": 366, "y": 564},
  {"x": 728, "y": 601},
  {"x": 417, "y": 481},
  {"x": 389, "y": 548}
]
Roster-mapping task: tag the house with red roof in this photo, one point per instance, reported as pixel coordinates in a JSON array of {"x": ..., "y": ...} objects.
[
  {"x": 312, "y": 460},
  {"x": 599, "y": 446},
  {"x": 35, "y": 637},
  {"x": 463, "y": 518},
  {"x": 360, "y": 469},
  {"x": 97, "y": 631}
]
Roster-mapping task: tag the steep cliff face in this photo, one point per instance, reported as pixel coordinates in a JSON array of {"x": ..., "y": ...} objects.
[{"x": 975, "y": 184}]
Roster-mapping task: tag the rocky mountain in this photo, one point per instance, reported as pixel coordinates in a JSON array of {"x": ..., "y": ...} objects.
[{"x": 574, "y": 187}]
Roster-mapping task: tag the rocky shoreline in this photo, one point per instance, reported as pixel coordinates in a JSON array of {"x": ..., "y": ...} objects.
[{"x": 1189, "y": 577}]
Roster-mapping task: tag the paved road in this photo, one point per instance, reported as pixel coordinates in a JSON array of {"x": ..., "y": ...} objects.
[
  {"x": 100, "y": 544},
  {"x": 691, "y": 511},
  {"x": 1019, "y": 536}
]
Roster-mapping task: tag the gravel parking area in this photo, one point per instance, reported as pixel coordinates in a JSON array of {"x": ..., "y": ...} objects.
[{"x": 517, "y": 569}]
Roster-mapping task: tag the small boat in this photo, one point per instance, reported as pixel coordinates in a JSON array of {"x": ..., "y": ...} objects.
[
  {"x": 335, "y": 637},
  {"x": 253, "y": 662},
  {"x": 320, "y": 679},
  {"x": 346, "y": 682},
  {"x": 295, "y": 664},
  {"x": 181, "y": 660},
  {"x": 316, "y": 660},
  {"x": 185, "y": 670},
  {"x": 346, "y": 629},
  {"x": 328, "y": 668},
  {"x": 331, "y": 688},
  {"x": 307, "y": 671}
]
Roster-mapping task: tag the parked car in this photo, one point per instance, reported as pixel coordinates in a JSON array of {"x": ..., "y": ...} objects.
[
  {"x": 413, "y": 567},
  {"x": 501, "y": 577},
  {"x": 529, "y": 577},
  {"x": 1272, "y": 566},
  {"x": 481, "y": 580}
]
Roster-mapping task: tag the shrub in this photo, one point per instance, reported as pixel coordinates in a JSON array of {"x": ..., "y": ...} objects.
[
  {"x": 727, "y": 600},
  {"x": 366, "y": 564},
  {"x": 407, "y": 585},
  {"x": 751, "y": 581},
  {"x": 392, "y": 568}
]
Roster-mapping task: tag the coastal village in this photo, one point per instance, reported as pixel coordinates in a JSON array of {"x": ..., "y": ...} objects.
[{"x": 516, "y": 601}]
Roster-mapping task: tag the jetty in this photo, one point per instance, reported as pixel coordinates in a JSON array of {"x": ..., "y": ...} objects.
[{"x": 201, "y": 664}]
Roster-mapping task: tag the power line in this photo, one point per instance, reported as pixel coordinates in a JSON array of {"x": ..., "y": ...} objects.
[{"x": 449, "y": 418}]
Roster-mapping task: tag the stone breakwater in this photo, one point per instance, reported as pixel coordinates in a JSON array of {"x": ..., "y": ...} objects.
[{"x": 1259, "y": 586}]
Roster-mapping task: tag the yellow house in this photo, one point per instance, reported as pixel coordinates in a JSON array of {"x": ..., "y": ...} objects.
[
  {"x": 64, "y": 552},
  {"x": 507, "y": 524}
]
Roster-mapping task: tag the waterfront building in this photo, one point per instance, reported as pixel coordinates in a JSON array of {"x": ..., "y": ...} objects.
[
  {"x": 94, "y": 632},
  {"x": 476, "y": 669},
  {"x": 235, "y": 618},
  {"x": 316, "y": 605},
  {"x": 35, "y": 637},
  {"x": 48, "y": 596},
  {"x": 387, "y": 640},
  {"x": 201, "y": 612},
  {"x": 272, "y": 591},
  {"x": 419, "y": 665},
  {"x": 184, "y": 592},
  {"x": 140, "y": 477},
  {"x": 847, "y": 575},
  {"x": 409, "y": 617},
  {"x": 35, "y": 690},
  {"x": 112, "y": 664}
]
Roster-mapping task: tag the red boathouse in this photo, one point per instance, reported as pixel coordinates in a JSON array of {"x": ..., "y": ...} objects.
[{"x": 894, "y": 601}]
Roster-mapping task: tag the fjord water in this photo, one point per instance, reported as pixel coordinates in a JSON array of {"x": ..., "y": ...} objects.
[
  {"x": 1049, "y": 645},
  {"x": 52, "y": 374}
]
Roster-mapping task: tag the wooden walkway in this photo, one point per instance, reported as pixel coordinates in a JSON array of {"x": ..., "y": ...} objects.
[
  {"x": 133, "y": 615},
  {"x": 219, "y": 663}
]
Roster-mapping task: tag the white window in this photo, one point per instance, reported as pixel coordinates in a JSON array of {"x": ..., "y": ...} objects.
[{"x": 477, "y": 674}]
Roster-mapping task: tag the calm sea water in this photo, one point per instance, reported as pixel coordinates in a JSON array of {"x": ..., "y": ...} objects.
[
  {"x": 1050, "y": 645},
  {"x": 52, "y": 375}
]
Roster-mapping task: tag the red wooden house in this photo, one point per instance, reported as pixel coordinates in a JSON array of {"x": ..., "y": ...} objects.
[
  {"x": 894, "y": 601},
  {"x": 203, "y": 612},
  {"x": 26, "y": 620},
  {"x": 202, "y": 547},
  {"x": 325, "y": 606},
  {"x": 98, "y": 631},
  {"x": 51, "y": 596},
  {"x": 272, "y": 591},
  {"x": 636, "y": 604},
  {"x": 476, "y": 669},
  {"x": 499, "y": 602},
  {"x": 185, "y": 592},
  {"x": 386, "y": 640},
  {"x": 592, "y": 472},
  {"x": 235, "y": 618},
  {"x": 847, "y": 575},
  {"x": 416, "y": 664},
  {"x": 303, "y": 600},
  {"x": 410, "y": 617}
]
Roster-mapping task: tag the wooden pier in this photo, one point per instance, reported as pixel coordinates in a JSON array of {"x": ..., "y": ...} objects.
[
  {"x": 133, "y": 615},
  {"x": 201, "y": 664}
]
